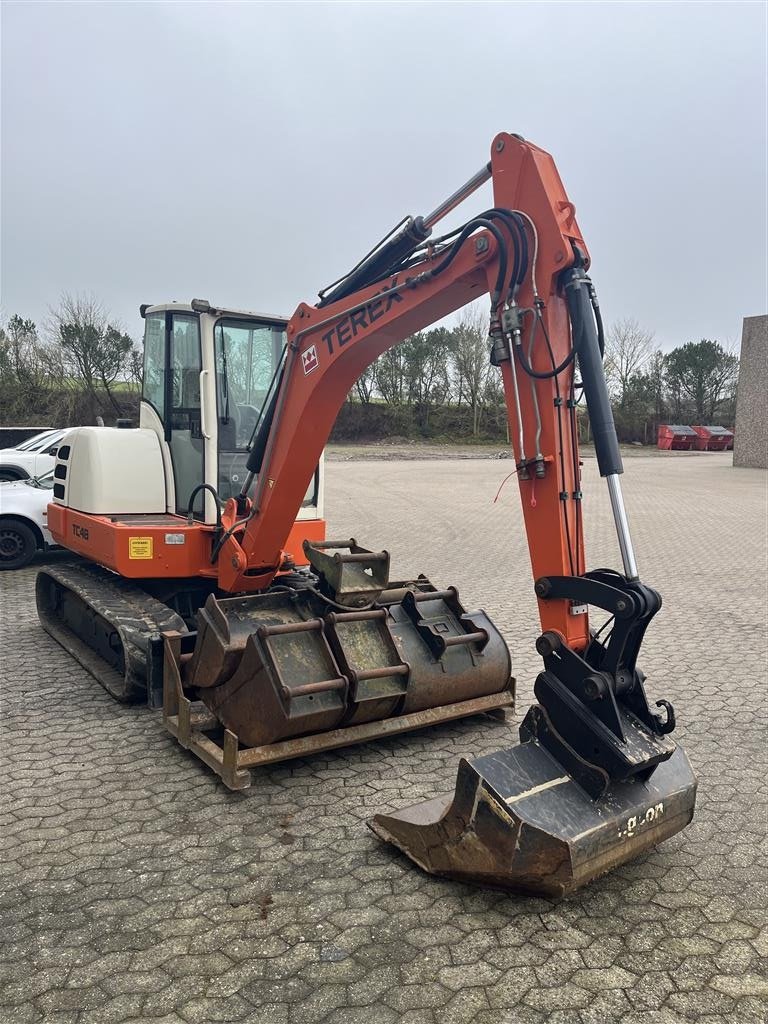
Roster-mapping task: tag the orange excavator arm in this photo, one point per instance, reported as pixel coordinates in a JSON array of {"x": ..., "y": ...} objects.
[
  {"x": 527, "y": 253},
  {"x": 331, "y": 344}
]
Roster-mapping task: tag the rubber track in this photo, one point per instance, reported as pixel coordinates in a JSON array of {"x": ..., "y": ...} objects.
[{"x": 131, "y": 612}]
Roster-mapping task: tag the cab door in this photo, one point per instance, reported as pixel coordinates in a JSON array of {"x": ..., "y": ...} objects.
[
  {"x": 184, "y": 431},
  {"x": 171, "y": 400}
]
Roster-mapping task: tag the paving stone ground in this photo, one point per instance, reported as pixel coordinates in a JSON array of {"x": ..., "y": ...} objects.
[{"x": 135, "y": 887}]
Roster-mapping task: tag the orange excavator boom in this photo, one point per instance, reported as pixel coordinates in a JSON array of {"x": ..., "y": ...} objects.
[{"x": 331, "y": 344}]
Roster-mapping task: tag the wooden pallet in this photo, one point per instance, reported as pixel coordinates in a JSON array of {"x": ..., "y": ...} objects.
[{"x": 189, "y": 721}]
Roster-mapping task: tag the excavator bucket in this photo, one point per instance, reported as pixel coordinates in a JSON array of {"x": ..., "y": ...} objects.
[
  {"x": 519, "y": 821},
  {"x": 349, "y": 657}
]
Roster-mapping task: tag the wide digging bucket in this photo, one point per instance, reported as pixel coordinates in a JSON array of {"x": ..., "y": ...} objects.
[
  {"x": 264, "y": 667},
  {"x": 518, "y": 821},
  {"x": 293, "y": 663}
]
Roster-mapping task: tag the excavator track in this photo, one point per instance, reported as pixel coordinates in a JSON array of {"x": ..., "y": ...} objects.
[{"x": 106, "y": 623}]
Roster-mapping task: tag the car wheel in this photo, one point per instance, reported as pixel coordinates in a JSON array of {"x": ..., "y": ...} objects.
[
  {"x": 18, "y": 544},
  {"x": 8, "y": 474}
]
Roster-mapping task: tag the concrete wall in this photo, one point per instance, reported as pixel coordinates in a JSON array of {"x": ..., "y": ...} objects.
[{"x": 751, "y": 442}]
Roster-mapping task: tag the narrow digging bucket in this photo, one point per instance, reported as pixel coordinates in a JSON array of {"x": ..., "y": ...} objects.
[
  {"x": 518, "y": 821},
  {"x": 294, "y": 663}
]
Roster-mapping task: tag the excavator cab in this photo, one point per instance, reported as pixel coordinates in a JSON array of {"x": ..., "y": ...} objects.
[{"x": 208, "y": 376}]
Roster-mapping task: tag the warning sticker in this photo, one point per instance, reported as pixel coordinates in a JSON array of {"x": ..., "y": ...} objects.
[{"x": 139, "y": 547}]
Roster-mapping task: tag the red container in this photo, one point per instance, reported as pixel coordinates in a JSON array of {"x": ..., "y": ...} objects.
[
  {"x": 675, "y": 437},
  {"x": 713, "y": 439}
]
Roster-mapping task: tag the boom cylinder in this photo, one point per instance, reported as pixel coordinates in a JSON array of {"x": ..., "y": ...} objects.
[{"x": 415, "y": 232}]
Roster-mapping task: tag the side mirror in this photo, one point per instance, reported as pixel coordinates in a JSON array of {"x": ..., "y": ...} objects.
[{"x": 54, "y": 450}]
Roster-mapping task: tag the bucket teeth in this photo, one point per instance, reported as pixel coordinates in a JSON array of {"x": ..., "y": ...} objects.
[{"x": 518, "y": 821}]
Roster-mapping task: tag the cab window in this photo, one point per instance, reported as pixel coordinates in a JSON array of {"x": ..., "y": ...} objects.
[
  {"x": 247, "y": 355},
  {"x": 153, "y": 387}
]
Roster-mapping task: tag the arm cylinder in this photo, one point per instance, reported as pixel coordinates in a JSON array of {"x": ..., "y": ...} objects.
[
  {"x": 587, "y": 349},
  {"x": 622, "y": 527},
  {"x": 586, "y": 344}
]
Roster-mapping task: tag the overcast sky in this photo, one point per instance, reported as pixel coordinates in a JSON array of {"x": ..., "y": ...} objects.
[{"x": 250, "y": 153}]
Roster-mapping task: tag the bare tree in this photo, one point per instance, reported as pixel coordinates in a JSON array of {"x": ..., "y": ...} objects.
[
  {"x": 655, "y": 374},
  {"x": 427, "y": 366},
  {"x": 136, "y": 367},
  {"x": 471, "y": 362},
  {"x": 628, "y": 349},
  {"x": 365, "y": 384},
  {"x": 95, "y": 353},
  {"x": 391, "y": 376},
  {"x": 426, "y": 360}
]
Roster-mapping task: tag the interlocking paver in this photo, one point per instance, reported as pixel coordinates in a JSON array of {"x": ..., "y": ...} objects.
[{"x": 134, "y": 888}]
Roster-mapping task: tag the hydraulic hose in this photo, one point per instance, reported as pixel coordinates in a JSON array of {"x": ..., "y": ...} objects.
[
  {"x": 259, "y": 446},
  {"x": 191, "y": 505},
  {"x": 477, "y": 222},
  {"x": 377, "y": 263}
]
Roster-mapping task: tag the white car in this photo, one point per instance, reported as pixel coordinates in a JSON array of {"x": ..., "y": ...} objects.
[
  {"x": 32, "y": 457},
  {"x": 24, "y": 520}
]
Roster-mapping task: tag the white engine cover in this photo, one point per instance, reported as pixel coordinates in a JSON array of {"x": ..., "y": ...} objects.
[{"x": 110, "y": 471}]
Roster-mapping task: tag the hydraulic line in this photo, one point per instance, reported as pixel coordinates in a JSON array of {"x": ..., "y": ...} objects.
[
  {"x": 411, "y": 282},
  {"x": 564, "y": 489},
  {"x": 397, "y": 248},
  {"x": 260, "y": 436},
  {"x": 399, "y": 243},
  {"x": 525, "y": 363},
  {"x": 217, "y": 500},
  {"x": 466, "y": 231},
  {"x": 576, "y": 468},
  {"x": 534, "y": 232},
  {"x": 273, "y": 416},
  {"x": 535, "y": 399},
  {"x": 519, "y": 245},
  {"x": 512, "y": 220},
  {"x": 518, "y": 412},
  {"x": 598, "y": 318},
  {"x": 397, "y": 252},
  {"x": 324, "y": 291}
]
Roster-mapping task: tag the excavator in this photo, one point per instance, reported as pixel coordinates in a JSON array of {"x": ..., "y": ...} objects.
[{"x": 206, "y": 584}]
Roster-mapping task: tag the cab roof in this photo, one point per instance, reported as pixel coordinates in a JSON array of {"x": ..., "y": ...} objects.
[{"x": 203, "y": 306}]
